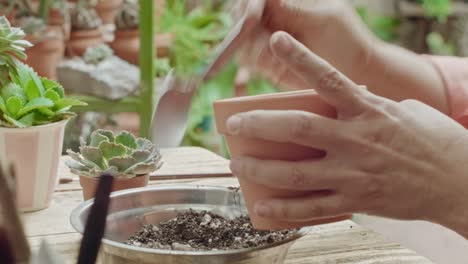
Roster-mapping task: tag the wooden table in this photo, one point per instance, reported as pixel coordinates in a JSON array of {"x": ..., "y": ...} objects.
[{"x": 344, "y": 242}]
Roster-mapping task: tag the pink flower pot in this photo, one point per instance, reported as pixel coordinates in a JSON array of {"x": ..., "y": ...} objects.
[
  {"x": 35, "y": 153},
  {"x": 305, "y": 100},
  {"x": 89, "y": 185}
]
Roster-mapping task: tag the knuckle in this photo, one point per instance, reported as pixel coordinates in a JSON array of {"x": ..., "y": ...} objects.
[
  {"x": 332, "y": 80},
  {"x": 302, "y": 127},
  {"x": 298, "y": 176},
  {"x": 373, "y": 188}
]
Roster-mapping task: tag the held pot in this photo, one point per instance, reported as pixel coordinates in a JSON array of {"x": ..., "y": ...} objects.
[
  {"x": 89, "y": 185},
  {"x": 306, "y": 100},
  {"x": 35, "y": 153}
]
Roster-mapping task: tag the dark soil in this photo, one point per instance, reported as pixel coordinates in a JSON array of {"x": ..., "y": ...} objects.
[{"x": 204, "y": 231}]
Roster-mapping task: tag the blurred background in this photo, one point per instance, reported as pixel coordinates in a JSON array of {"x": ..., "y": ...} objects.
[{"x": 92, "y": 47}]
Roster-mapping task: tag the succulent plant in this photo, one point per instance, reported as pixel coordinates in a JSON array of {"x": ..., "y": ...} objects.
[
  {"x": 97, "y": 54},
  {"x": 121, "y": 155},
  {"x": 31, "y": 25},
  {"x": 128, "y": 16},
  {"x": 25, "y": 98},
  {"x": 84, "y": 19}
]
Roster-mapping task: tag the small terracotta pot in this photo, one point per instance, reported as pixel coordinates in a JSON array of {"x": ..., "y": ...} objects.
[
  {"x": 80, "y": 40},
  {"x": 44, "y": 56},
  {"x": 306, "y": 100},
  {"x": 90, "y": 185},
  {"x": 108, "y": 9},
  {"x": 126, "y": 45},
  {"x": 35, "y": 153}
]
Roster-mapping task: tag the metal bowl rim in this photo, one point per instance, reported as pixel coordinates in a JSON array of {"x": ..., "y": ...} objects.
[{"x": 74, "y": 221}]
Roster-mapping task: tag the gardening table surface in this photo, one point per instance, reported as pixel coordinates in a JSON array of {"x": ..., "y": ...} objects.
[{"x": 343, "y": 242}]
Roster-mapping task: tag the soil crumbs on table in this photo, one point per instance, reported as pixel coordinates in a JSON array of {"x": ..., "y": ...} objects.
[{"x": 203, "y": 231}]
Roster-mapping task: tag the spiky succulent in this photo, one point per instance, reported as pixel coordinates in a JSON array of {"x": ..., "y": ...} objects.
[
  {"x": 122, "y": 156},
  {"x": 85, "y": 19},
  {"x": 97, "y": 54},
  {"x": 25, "y": 98},
  {"x": 128, "y": 16}
]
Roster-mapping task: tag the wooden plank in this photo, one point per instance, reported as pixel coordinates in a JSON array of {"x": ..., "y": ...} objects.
[{"x": 344, "y": 242}]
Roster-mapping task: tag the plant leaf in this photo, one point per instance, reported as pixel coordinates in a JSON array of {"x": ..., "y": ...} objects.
[
  {"x": 13, "y": 89},
  {"x": 52, "y": 95},
  {"x": 37, "y": 103},
  {"x": 110, "y": 149},
  {"x": 27, "y": 120},
  {"x": 144, "y": 144},
  {"x": 14, "y": 104},
  {"x": 32, "y": 91},
  {"x": 93, "y": 154},
  {"x": 143, "y": 168},
  {"x": 13, "y": 122},
  {"x": 65, "y": 102},
  {"x": 107, "y": 133},
  {"x": 122, "y": 163},
  {"x": 46, "y": 111},
  {"x": 97, "y": 138},
  {"x": 127, "y": 139},
  {"x": 2, "y": 105}
]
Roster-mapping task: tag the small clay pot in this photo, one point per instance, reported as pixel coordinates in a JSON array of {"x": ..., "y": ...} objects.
[
  {"x": 46, "y": 53},
  {"x": 126, "y": 45},
  {"x": 306, "y": 100},
  {"x": 89, "y": 185},
  {"x": 80, "y": 40},
  {"x": 108, "y": 9}
]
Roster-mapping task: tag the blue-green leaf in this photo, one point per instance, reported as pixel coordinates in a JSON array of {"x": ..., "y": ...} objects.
[
  {"x": 36, "y": 103},
  {"x": 14, "y": 122},
  {"x": 127, "y": 139},
  {"x": 110, "y": 149}
]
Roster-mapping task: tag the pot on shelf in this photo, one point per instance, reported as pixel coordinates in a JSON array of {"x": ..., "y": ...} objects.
[
  {"x": 90, "y": 184},
  {"x": 46, "y": 53},
  {"x": 108, "y": 9},
  {"x": 306, "y": 100},
  {"x": 35, "y": 153},
  {"x": 80, "y": 40}
]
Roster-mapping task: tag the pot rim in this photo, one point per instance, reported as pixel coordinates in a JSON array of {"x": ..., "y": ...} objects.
[
  {"x": 266, "y": 97},
  {"x": 115, "y": 179},
  {"x": 26, "y": 129},
  {"x": 74, "y": 221}
]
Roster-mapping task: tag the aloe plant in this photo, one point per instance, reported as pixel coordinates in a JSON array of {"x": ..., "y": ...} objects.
[
  {"x": 121, "y": 155},
  {"x": 25, "y": 98}
]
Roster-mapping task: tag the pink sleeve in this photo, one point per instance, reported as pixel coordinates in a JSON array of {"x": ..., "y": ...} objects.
[{"x": 454, "y": 72}]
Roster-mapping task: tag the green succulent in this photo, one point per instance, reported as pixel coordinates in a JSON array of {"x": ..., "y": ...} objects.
[
  {"x": 97, "y": 54},
  {"x": 128, "y": 16},
  {"x": 121, "y": 155},
  {"x": 84, "y": 19},
  {"x": 25, "y": 98}
]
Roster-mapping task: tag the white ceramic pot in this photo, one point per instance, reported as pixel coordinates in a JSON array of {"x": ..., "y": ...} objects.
[{"x": 35, "y": 153}]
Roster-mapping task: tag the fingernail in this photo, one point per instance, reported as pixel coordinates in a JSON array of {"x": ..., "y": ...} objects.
[
  {"x": 233, "y": 125},
  {"x": 282, "y": 42},
  {"x": 262, "y": 210},
  {"x": 235, "y": 166}
]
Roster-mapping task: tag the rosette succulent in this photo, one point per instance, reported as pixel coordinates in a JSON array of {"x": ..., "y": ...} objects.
[
  {"x": 121, "y": 155},
  {"x": 25, "y": 98}
]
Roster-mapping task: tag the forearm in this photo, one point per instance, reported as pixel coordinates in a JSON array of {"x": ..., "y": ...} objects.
[{"x": 398, "y": 74}]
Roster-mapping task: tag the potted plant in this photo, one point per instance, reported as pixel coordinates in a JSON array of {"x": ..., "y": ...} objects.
[
  {"x": 108, "y": 9},
  {"x": 85, "y": 29},
  {"x": 130, "y": 160},
  {"x": 48, "y": 41},
  {"x": 126, "y": 43},
  {"x": 33, "y": 115}
]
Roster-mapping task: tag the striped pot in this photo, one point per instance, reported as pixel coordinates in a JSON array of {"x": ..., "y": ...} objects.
[{"x": 35, "y": 153}]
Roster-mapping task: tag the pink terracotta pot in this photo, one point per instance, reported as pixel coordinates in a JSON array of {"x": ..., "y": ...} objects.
[
  {"x": 80, "y": 40},
  {"x": 90, "y": 185},
  {"x": 45, "y": 55},
  {"x": 306, "y": 100},
  {"x": 35, "y": 153}
]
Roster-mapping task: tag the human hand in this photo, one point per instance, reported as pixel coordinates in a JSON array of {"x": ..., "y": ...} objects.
[
  {"x": 330, "y": 28},
  {"x": 401, "y": 160}
]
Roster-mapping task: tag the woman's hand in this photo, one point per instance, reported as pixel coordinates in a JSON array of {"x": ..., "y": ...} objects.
[
  {"x": 400, "y": 160},
  {"x": 333, "y": 31}
]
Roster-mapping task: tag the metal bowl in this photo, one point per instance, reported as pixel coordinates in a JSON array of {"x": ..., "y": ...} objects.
[{"x": 130, "y": 210}]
